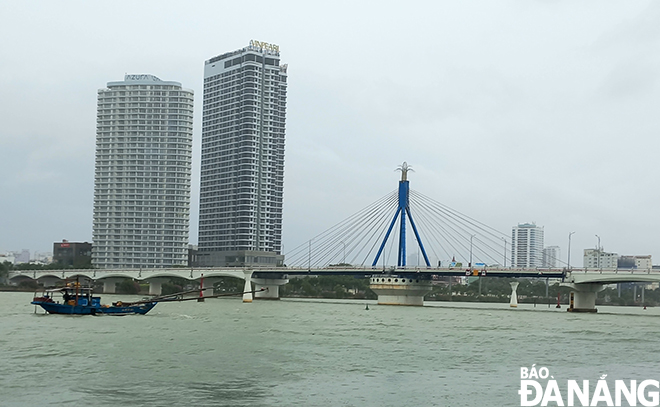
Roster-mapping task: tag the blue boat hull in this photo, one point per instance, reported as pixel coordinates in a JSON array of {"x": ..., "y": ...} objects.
[{"x": 55, "y": 308}]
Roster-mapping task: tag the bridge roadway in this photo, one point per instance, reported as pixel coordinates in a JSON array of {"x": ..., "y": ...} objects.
[
  {"x": 585, "y": 283},
  {"x": 575, "y": 275},
  {"x": 195, "y": 273}
]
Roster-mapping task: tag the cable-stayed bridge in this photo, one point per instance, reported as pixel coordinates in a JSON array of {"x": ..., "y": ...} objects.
[
  {"x": 374, "y": 243},
  {"x": 407, "y": 228}
]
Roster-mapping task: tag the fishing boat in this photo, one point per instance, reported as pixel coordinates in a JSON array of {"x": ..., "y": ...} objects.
[{"x": 78, "y": 300}]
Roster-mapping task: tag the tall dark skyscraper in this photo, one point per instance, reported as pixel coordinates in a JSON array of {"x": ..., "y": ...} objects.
[{"x": 242, "y": 169}]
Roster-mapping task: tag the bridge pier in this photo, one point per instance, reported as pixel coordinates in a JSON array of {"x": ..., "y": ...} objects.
[
  {"x": 155, "y": 286},
  {"x": 247, "y": 288},
  {"x": 271, "y": 286},
  {"x": 396, "y": 290},
  {"x": 49, "y": 281},
  {"x": 110, "y": 285},
  {"x": 514, "y": 294},
  {"x": 583, "y": 296}
]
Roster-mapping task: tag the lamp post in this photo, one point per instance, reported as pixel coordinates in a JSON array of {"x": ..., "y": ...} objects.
[
  {"x": 598, "y": 252},
  {"x": 569, "y": 249},
  {"x": 309, "y": 256},
  {"x": 504, "y": 239},
  {"x": 470, "y": 265},
  {"x": 343, "y": 261}
]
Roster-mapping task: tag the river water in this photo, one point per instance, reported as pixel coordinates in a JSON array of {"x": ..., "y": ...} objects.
[{"x": 312, "y": 353}]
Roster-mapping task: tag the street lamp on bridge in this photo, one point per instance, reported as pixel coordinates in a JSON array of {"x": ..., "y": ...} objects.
[
  {"x": 598, "y": 252},
  {"x": 504, "y": 239},
  {"x": 569, "y": 249},
  {"x": 470, "y": 265}
]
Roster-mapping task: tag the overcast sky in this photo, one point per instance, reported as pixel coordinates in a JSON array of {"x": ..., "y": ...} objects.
[{"x": 508, "y": 111}]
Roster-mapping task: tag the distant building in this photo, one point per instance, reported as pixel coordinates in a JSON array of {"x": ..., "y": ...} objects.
[
  {"x": 192, "y": 255},
  {"x": 144, "y": 132},
  {"x": 597, "y": 258},
  {"x": 638, "y": 262},
  {"x": 527, "y": 246},
  {"x": 42, "y": 257},
  {"x": 74, "y": 254},
  {"x": 551, "y": 256},
  {"x": 242, "y": 158},
  {"x": 9, "y": 258},
  {"x": 22, "y": 257}
]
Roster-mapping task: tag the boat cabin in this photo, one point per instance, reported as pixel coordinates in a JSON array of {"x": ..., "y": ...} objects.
[{"x": 69, "y": 296}]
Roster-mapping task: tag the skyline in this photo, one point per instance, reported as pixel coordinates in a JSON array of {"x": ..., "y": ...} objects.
[{"x": 512, "y": 112}]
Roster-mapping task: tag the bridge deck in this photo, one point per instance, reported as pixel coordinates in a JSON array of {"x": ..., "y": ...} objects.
[{"x": 194, "y": 273}]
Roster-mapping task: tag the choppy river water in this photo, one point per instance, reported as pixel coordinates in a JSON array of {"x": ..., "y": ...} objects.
[{"x": 311, "y": 353}]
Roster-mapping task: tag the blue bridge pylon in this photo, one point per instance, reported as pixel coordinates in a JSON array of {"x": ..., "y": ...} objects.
[{"x": 403, "y": 210}]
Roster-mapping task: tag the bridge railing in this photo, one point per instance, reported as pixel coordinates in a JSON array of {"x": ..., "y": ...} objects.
[
  {"x": 615, "y": 270},
  {"x": 426, "y": 270},
  {"x": 146, "y": 272},
  {"x": 274, "y": 269}
]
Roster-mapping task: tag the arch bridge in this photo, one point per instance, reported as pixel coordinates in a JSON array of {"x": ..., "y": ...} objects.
[{"x": 155, "y": 277}]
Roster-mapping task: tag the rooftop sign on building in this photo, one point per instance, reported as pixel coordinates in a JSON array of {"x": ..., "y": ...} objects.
[
  {"x": 141, "y": 77},
  {"x": 264, "y": 46}
]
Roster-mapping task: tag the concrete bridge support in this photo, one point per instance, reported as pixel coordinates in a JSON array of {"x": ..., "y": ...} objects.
[
  {"x": 514, "y": 294},
  {"x": 48, "y": 282},
  {"x": 110, "y": 285},
  {"x": 583, "y": 296},
  {"x": 271, "y": 287},
  {"x": 155, "y": 286},
  {"x": 247, "y": 289},
  {"x": 395, "y": 290}
]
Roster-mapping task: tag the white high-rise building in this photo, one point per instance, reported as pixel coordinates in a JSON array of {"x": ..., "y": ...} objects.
[
  {"x": 143, "y": 171},
  {"x": 242, "y": 168},
  {"x": 527, "y": 246},
  {"x": 551, "y": 256}
]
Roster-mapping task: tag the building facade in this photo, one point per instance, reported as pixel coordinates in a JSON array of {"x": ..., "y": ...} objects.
[
  {"x": 551, "y": 256},
  {"x": 242, "y": 168},
  {"x": 76, "y": 254},
  {"x": 527, "y": 246},
  {"x": 597, "y": 258},
  {"x": 142, "y": 177},
  {"x": 22, "y": 257},
  {"x": 638, "y": 262}
]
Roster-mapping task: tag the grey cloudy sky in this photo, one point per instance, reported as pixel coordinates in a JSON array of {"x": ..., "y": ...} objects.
[{"x": 509, "y": 111}]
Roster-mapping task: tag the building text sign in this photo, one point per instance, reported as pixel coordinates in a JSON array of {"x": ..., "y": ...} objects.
[{"x": 265, "y": 45}]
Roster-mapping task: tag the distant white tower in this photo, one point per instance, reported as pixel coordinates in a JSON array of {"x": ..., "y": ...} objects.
[
  {"x": 551, "y": 256},
  {"x": 527, "y": 246},
  {"x": 142, "y": 179}
]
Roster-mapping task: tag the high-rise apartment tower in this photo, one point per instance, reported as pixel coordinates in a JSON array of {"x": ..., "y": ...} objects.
[
  {"x": 242, "y": 168},
  {"x": 527, "y": 245},
  {"x": 142, "y": 178},
  {"x": 551, "y": 256}
]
